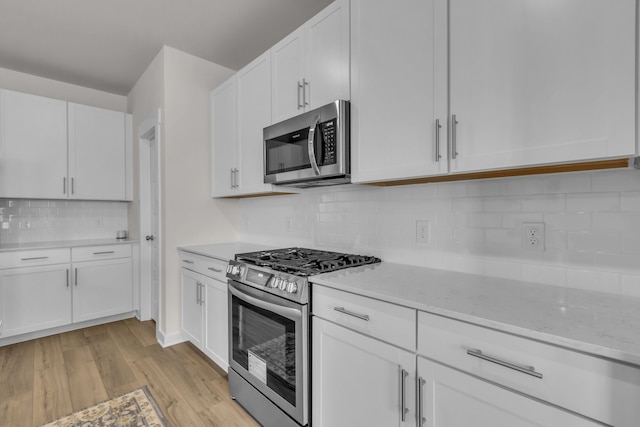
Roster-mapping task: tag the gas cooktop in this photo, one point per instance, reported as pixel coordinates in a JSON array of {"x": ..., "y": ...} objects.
[{"x": 304, "y": 262}]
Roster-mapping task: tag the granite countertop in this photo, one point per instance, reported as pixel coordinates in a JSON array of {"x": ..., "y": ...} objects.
[
  {"x": 10, "y": 247},
  {"x": 596, "y": 323},
  {"x": 223, "y": 251}
]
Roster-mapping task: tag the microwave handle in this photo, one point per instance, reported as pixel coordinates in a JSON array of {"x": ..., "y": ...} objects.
[{"x": 312, "y": 153}]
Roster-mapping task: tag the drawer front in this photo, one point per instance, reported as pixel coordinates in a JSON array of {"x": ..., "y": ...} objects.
[
  {"x": 210, "y": 267},
  {"x": 95, "y": 253},
  {"x": 34, "y": 258},
  {"x": 598, "y": 388},
  {"x": 389, "y": 322}
]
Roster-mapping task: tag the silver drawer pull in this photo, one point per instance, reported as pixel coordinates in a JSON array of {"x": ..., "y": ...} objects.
[
  {"x": 34, "y": 258},
  {"x": 215, "y": 269},
  {"x": 529, "y": 370},
  {"x": 187, "y": 261},
  {"x": 104, "y": 252},
  {"x": 351, "y": 313}
]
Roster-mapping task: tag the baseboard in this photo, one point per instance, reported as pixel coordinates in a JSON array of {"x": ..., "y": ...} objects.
[{"x": 167, "y": 340}]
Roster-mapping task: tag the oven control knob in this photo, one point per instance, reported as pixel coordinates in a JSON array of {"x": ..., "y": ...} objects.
[
  {"x": 282, "y": 285},
  {"x": 292, "y": 287}
]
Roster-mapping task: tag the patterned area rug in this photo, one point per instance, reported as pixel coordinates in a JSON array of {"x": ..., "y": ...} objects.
[{"x": 134, "y": 409}]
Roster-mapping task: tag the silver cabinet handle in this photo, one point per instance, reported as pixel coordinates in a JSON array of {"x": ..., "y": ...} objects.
[
  {"x": 73, "y": 186},
  {"x": 421, "y": 419},
  {"x": 438, "y": 126},
  {"x": 300, "y": 87},
  {"x": 75, "y": 277},
  {"x": 529, "y": 370},
  {"x": 305, "y": 83},
  {"x": 67, "y": 277},
  {"x": 403, "y": 395},
  {"x": 34, "y": 258},
  {"x": 214, "y": 269},
  {"x": 104, "y": 252},
  {"x": 454, "y": 148},
  {"x": 231, "y": 178},
  {"x": 187, "y": 261},
  {"x": 351, "y": 313},
  {"x": 64, "y": 185},
  {"x": 310, "y": 146}
]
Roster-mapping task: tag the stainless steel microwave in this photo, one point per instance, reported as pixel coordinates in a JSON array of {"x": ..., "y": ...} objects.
[{"x": 311, "y": 149}]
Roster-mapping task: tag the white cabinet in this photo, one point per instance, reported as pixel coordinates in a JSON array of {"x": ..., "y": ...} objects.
[
  {"x": 311, "y": 65},
  {"x": 97, "y": 153},
  {"x": 398, "y": 90},
  {"x": 535, "y": 82},
  {"x": 451, "y": 398},
  {"x": 527, "y": 84},
  {"x": 33, "y": 146},
  {"x": 34, "y": 298},
  {"x": 358, "y": 380},
  {"x": 58, "y": 150},
  {"x": 241, "y": 109},
  {"x": 205, "y": 305},
  {"x": 360, "y": 375}
]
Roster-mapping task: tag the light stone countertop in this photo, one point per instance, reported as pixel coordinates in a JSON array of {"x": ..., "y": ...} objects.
[
  {"x": 223, "y": 251},
  {"x": 596, "y": 323},
  {"x": 11, "y": 247}
]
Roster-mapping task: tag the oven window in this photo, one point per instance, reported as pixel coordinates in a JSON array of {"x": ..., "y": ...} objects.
[
  {"x": 288, "y": 152},
  {"x": 264, "y": 343}
]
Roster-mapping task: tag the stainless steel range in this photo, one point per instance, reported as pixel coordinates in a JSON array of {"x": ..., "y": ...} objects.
[{"x": 269, "y": 329}]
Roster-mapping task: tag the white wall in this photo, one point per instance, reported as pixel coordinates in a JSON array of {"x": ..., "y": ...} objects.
[
  {"x": 179, "y": 84},
  {"x": 592, "y": 224},
  {"x": 21, "y": 82}
]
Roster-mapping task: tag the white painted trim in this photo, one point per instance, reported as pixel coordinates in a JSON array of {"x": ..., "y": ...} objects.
[
  {"x": 66, "y": 328},
  {"x": 167, "y": 340}
]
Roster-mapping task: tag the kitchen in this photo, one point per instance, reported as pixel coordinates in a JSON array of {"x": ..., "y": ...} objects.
[{"x": 474, "y": 226}]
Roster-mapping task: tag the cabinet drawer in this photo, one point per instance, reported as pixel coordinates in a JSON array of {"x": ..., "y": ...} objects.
[
  {"x": 598, "y": 388},
  {"x": 34, "y": 257},
  {"x": 389, "y": 322},
  {"x": 211, "y": 267},
  {"x": 94, "y": 253}
]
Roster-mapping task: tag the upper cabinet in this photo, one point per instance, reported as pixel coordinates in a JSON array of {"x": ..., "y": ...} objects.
[
  {"x": 468, "y": 86},
  {"x": 97, "y": 153},
  {"x": 541, "y": 82},
  {"x": 310, "y": 67},
  {"x": 398, "y": 90},
  {"x": 240, "y": 109},
  {"x": 33, "y": 146},
  {"x": 52, "y": 149}
]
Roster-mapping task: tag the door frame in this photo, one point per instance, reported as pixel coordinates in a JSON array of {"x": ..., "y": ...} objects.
[{"x": 148, "y": 134}]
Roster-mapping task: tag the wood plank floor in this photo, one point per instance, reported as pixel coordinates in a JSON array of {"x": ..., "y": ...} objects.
[{"x": 44, "y": 379}]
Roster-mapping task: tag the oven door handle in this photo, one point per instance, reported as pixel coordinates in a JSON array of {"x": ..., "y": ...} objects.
[
  {"x": 310, "y": 146},
  {"x": 290, "y": 313}
]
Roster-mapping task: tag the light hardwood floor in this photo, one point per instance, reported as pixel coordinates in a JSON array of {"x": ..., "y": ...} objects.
[{"x": 44, "y": 379}]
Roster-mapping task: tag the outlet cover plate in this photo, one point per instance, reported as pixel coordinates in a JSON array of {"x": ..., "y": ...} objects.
[
  {"x": 422, "y": 232},
  {"x": 533, "y": 236}
]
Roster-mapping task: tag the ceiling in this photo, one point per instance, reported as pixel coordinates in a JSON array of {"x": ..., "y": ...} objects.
[{"x": 107, "y": 44}]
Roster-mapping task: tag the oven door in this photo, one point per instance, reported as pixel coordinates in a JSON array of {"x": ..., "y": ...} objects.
[{"x": 268, "y": 346}]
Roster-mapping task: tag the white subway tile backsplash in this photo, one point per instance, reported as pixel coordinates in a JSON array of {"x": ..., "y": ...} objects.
[{"x": 592, "y": 225}]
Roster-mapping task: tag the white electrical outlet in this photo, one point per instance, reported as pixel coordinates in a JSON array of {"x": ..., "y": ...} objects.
[
  {"x": 533, "y": 236},
  {"x": 422, "y": 232}
]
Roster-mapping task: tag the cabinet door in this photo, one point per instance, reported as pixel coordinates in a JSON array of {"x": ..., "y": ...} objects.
[
  {"x": 102, "y": 288},
  {"x": 216, "y": 340},
  {"x": 33, "y": 146},
  {"x": 541, "y": 82},
  {"x": 398, "y": 89},
  {"x": 223, "y": 138},
  {"x": 34, "y": 298},
  {"x": 451, "y": 398},
  {"x": 254, "y": 114},
  {"x": 97, "y": 153},
  {"x": 327, "y": 55},
  {"x": 287, "y": 65},
  {"x": 191, "y": 287},
  {"x": 357, "y": 380}
]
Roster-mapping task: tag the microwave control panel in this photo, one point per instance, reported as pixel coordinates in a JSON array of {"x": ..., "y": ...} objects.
[{"x": 329, "y": 156}]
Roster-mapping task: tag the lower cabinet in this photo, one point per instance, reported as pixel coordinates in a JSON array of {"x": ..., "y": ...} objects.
[
  {"x": 360, "y": 381},
  {"x": 450, "y": 398},
  {"x": 204, "y": 305},
  {"x": 34, "y": 298}
]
